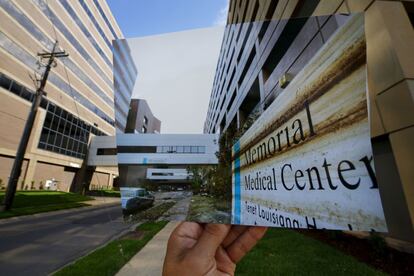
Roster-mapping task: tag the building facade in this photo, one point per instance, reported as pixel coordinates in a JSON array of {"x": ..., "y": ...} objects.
[
  {"x": 141, "y": 119},
  {"x": 125, "y": 74},
  {"x": 266, "y": 44},
  {"x": 166, "y": 155},
  {"x": 79, "y": 101}
]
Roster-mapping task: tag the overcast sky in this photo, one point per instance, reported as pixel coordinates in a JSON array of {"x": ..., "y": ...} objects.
[{"x": 175, "y": 75}]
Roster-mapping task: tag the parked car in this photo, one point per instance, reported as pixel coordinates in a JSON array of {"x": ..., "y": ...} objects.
[{"x": 135, "y": 199}]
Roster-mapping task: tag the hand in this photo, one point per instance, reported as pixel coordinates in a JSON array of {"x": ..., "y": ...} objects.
[{"x": 210, "y": 249}]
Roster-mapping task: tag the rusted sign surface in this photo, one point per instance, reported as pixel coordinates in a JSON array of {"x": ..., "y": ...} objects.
[{"x": 307, "y": 161}]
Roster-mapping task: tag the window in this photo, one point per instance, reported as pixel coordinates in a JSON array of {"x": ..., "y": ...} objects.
[
  {"x": 26, "y": 58},
  {"x": 65, "y": 134},
  {"x": 162, "y": 174},
  {"x": 161, "y": 149},
  {"x": 143, "y": 129},
  {"x": 137, "y": 149},
  {"x": 145, "y": 121},
  {"x": 5, "y": 82},
  {"x": 201, "y": 149},
  {"x": 106, "y": 151}
]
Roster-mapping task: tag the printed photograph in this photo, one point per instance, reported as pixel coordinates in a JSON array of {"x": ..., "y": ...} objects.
[{"x": 228, "y": 125}]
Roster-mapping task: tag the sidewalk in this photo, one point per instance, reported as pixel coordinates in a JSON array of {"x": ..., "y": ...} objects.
[
  {"x": 178, "y": 212},
  {"x": 149, "y": 261},
  {"x": 100, "y": 200}
]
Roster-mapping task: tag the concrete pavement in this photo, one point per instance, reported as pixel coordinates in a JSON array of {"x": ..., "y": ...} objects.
[
  {"x": 42, "y": 243},
  {"x": 149, "y": 261},
  {"x": 178, "y": 212}
]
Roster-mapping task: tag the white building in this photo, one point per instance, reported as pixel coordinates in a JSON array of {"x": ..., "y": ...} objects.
[{"x": 153, "y": 157}]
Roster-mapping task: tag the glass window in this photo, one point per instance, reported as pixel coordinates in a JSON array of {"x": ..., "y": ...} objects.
[
  {"x": 70, "y": 144},
  {"x": 58, "y": 140},
  {"x": 180, "y": 149},
  {"x": 201, "y": 149},
  {"x": 42, "y": 145},
  {"x": 16, "y": 88},
  {"x": 27, "y": 95},
  {"x": 64, "y": 142},
  {"x": 60, "y": 135},
  {"x": 194, "y": 149},
  {"x": 43, "y": 135},
  {"x": 51, "y": 138},
  {"x": 187, "y": 149},
  {"x": 48, "y": 120},
  {"x": 5, "y": 82}
]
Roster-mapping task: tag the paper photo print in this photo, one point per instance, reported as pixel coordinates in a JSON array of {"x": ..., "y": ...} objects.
[{"x": 264, "y": 121}]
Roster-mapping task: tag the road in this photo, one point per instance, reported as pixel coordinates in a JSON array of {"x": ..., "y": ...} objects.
[{"x": 39, "y": 245}]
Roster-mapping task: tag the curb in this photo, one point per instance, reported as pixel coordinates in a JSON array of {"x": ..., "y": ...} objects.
[
  {"x": 87, "y": 252},
  {"x": 56, "y": 212}
]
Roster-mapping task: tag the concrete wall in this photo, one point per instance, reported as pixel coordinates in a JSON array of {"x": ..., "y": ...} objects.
[
  {"x": 154, "y": 140},
  {"x": 136, "y": 123}
]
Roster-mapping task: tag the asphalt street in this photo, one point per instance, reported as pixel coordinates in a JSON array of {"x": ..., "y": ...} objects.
[{"x": 39, "y": 245}]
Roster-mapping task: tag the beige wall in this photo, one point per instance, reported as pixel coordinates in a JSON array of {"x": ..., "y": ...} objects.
[
  {"x": 46, "y": 171},
  {"x": 100, "y": 180},
  {"x": 390, "y": 59},
  {"x": 6, "y": 163},
  {"x": 13, "y": 113}
]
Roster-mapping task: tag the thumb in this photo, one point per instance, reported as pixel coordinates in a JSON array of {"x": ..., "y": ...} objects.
[{"x": 211, "y": 238}]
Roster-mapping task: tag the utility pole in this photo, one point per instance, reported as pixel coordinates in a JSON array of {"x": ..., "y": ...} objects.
[{"x": 18, "y": 161}]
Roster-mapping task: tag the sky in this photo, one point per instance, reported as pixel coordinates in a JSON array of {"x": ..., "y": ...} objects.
[
  {"x": 150, "y": 17},
  {"x": 175, "y": 45},
  {"x": 175, "y": 76}
]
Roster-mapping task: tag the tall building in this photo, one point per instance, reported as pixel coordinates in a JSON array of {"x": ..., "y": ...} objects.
[
  {"x": 266, "y": 44},
  {"x": 125, "y": 74},
  {"x": 80, "y": 91},
  {"x": 141, "y": 119}
]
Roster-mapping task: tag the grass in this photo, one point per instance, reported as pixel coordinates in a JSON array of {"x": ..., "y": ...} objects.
[
  {"x": 110, "y": 259},
  {"x": 105, "y": 193},
  {"x": 31, "y": 202},
  {"x": 153, "y": 213},
  {"x": 286, "y": 252},
  {"x": 208, "y": 209}
]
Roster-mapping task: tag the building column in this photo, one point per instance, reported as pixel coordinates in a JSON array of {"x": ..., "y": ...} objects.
[
  {"x": 30, "y": 172},
  {"x": 390, "y": 71},
  {"x": 110, "y": 180}
]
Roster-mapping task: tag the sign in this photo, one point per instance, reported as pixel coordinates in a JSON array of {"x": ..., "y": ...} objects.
[{"x": 307, "y": 161}]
